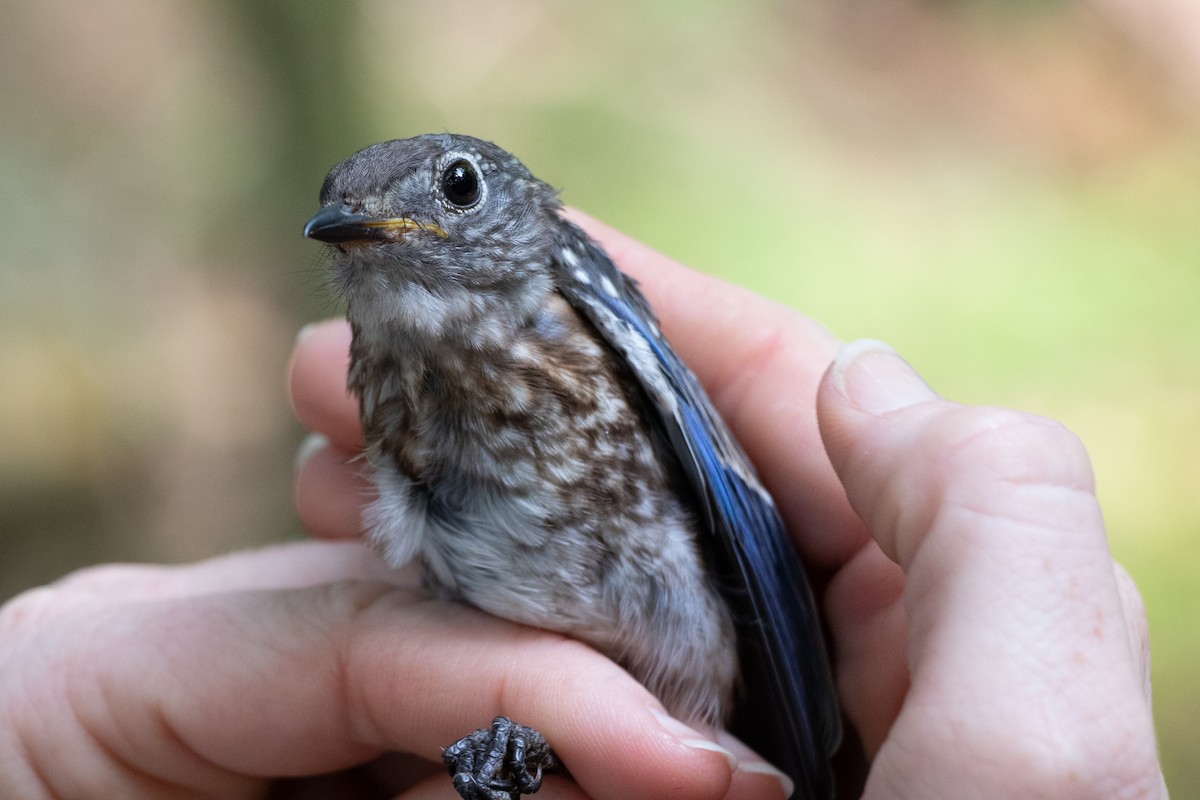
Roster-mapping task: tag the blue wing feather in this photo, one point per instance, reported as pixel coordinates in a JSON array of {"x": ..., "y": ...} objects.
[{"x": 789, "y": 710}]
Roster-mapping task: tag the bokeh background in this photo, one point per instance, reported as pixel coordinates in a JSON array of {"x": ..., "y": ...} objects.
[{"x": 1008, "y": 192}]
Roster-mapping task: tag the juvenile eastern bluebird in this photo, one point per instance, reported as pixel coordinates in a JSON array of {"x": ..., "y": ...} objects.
[{"x": 545, "y": 456}]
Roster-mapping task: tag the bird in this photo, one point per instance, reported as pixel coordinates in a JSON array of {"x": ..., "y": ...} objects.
[{"x": 542, "y": 454}]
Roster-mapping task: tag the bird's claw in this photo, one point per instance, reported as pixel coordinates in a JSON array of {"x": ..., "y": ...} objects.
[{"x": 498, "y": 763}]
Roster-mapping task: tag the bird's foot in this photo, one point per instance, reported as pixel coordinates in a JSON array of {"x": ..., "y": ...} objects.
[{"x": 500, "y": 763}]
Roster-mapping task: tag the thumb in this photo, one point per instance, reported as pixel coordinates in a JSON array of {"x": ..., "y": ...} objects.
[
  {"x": 907, "y": 458},
  {"x": 866, "y": 384},
  {"x": 1008, "y": 616}
]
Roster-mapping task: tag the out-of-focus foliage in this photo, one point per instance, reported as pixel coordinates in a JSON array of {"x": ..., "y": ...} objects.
[{"x": 1005, "y": 192}]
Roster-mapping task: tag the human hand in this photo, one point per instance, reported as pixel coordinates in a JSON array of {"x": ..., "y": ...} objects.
[
  {"x": 985, "y": 643},
  {"x": 213, "y": 679},
  {"x": 988, "y": 644}
]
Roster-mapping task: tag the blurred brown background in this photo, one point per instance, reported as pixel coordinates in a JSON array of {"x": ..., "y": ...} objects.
[{"x": 1008, "y": 192}]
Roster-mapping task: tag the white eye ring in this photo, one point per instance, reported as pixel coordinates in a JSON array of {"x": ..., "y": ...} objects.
[{"x": 459, "y": 182}]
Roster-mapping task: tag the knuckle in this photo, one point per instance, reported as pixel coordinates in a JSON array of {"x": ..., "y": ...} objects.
[
  {"x": 363, "y": 602},
  {"x": 99, "y": 578},
  {"x": 1017, "y": 448},
  {"x": 1131, "y": 597},
  {"x": 87, "y": 588},
  {"x": 1133, "y": 609},
  {"x": 973, "y": 464},
  {"x": 27, "y": 611}
]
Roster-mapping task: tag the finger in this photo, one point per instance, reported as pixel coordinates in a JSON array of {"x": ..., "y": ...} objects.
[
  {"x": 1009, "y": 594},
  {"x": 316, "y": 679},
  {"x": 317, "y": 383},
  {"x": 281, "y": 566},
  {"x": 554, "y": 787},
  {"x": 607, "y": 729},
  {"x": 330, "y": 490},
  {"x": 1134, "y": 611},
  {"x": 864, "y": 605},
  {"x": 761, "y": 363},
  {"x": 754, "y": 778}
]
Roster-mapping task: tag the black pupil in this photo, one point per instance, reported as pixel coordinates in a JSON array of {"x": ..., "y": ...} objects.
[{"x": 460, "y": 184}]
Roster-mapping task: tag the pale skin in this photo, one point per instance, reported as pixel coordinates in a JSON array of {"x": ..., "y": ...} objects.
[{"x": 985, "y": 643}]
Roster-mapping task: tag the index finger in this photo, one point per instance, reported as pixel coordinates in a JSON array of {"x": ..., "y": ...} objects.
[{"x": 317, "y": 384}]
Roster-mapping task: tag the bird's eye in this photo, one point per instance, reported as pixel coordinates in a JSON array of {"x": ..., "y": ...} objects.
[{"x": 460, "y": 184}]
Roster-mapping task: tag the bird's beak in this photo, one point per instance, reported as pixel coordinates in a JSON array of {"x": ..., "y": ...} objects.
[{"x": 337, "y": 224}]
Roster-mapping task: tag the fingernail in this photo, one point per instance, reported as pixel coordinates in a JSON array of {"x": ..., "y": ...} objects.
[
  {"x": 690, "y": 737},
  {"x": 786, "y": 784},
  {"x": 312, "y": 444},
  {"x": 305, "y": 332},
  {"x": 875, "y": 379},
  {"x": 751, "y": 762}
]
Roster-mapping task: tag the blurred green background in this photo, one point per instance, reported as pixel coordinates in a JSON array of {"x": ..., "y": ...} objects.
[{"x": 1007, "y": 192}]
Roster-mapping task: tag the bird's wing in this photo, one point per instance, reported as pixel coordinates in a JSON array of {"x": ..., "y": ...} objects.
[{"x": 789, "y": 710}]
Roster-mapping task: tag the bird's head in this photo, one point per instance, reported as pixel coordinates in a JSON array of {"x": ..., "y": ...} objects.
[{"x": 435, "y": 232}]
